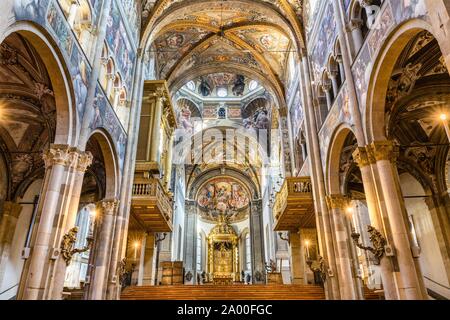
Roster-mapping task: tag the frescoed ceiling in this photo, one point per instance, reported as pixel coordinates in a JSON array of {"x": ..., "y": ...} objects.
[{"x": 192, "y": 38}]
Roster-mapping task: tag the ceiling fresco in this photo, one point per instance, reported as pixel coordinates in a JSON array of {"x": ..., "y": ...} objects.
[{"x": 196, "y": 38}]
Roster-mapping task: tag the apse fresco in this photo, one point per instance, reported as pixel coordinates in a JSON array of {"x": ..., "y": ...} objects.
[{"x": 223, "y": 194}]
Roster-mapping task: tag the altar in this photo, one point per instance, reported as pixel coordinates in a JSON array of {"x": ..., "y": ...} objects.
[{"x": 223, "y": 253}]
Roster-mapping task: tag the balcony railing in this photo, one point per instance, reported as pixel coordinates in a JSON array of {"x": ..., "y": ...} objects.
[
  {"x": 150, "y": 199},
  {"x": 293, "y": 204}
]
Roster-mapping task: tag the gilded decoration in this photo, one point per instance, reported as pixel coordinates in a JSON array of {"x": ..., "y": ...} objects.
[{"x": 223, "y": 252}]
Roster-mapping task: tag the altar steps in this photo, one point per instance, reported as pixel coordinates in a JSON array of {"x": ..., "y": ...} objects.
[{"x": 229, "y": 292}]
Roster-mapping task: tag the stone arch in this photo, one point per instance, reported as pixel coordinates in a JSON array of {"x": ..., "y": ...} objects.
[
  {"x": 66, "y": 112},
  {"x": 374, "y": 114},
  {"x": 111, "y": 163},
  {"x": 193, "y": 186},
  {"x": 333, "y": 181}
]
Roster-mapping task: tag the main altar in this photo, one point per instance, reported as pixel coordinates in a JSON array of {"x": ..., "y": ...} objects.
[{"x": 223, "y": 253}]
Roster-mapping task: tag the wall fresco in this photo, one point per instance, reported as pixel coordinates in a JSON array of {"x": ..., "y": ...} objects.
[{"x": 48, "y": 14}]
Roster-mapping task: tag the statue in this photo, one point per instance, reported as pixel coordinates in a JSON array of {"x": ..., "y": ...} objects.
[
  {"x": 271, "y": 267},
  {"x": 205, "y": 88},
  {"x": 239, "y": 86},
  {"x": 67, "y": 243}
]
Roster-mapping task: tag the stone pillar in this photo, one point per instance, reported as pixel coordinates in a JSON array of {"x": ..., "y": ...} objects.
[
  {"x": 326, "y": 87},
  {"x": 149, "y": 259},
  {"x": 333, "y": 75},
  {"x": 337, "y": 205},
  {"x": 101, "y": 262},
  {"x": 56, "y": 160},
  {"x": 89, "y": 110},
  {"x": 67, "y": 218},
  {"x": 8, "y": 222},
  {"x": 190, "y": 242},
  {"x": 168, "y": 165},
  {"x": 341, "y": 67},
  {"x": 297, "y": 259},
  {"x": 119, "y": 243},
  {"x": 361, "y": 157},
  {"x": 156, "y": 125},
  {"x": 409, "y": 286},
  {"x": 354, "y": 26},
  {"x": 257, "y": 241},
  {"x": 322, "y": 215}
]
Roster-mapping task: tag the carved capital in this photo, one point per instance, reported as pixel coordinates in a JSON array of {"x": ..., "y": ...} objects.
[
  {"x": 84, "y": 161},
  {"x": 57, "y": 155},
  {"x": 337, "y": 201},
  {"x": 361, "y": 157},
  {"x": 383, "y": 150},
  {"x": 355, "y": 24},
  {"x": 109, "y": 206},
  {"x": 160, "y": 94}
]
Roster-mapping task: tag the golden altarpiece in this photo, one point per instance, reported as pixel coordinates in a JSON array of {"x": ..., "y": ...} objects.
[{"x": 223, "y": 253}]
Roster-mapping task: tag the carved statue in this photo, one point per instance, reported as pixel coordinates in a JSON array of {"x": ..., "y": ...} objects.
[
  {"x": 319, "y": 269},
  {"x": 67, "y": 243},
  {"x": 205, "y": 88},
  {"x": 378, "y": 241},
  {"x": 271, "y": 267}
]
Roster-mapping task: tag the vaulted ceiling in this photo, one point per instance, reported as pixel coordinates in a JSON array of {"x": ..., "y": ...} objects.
[{"x": 190, "y": 38}]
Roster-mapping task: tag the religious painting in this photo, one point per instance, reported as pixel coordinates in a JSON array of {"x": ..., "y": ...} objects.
[{"x": 223, "y": 194}]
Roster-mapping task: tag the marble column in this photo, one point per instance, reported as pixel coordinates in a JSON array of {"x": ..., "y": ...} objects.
[
  {"x": 119, "y": 243},
  {"x": 80, "y": 162},
  {"x": 190, "y": 241},
  {"x": 317, "y": 176},
  {"x": 354, "y": 26},
  {"x": 297, "y": 259},
  {"x": 409, "y": 287},
  {"x": 257, "y": 241},
  {"x": 334, "y": 81},
  {"x": 149, "y": 259},
  {"x": 8, "y": 222},
  {"x": 362, "y": 158},
  {"x": 337, "y": 205},
  {"x": 89, "y": 110},
  {"x": 326, "y": 87},
  {"x": 101, "y": 263},
  {"x": 156, "y": 125},
  {"x": 56, "y": 160}
]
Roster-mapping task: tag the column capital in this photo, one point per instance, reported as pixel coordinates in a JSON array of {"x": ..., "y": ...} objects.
[
  {"x": 361, "y": 157},
  {"x": 337, "y": 201},
  {"x": 355, "y": 24},
  {"x": 383, "y": 150},
  {"x": 109, "y": 206},
  {"x": 58, "y": 154},
  {"x": 84, "y": 161},
  {"x": 159, "y": 93}
]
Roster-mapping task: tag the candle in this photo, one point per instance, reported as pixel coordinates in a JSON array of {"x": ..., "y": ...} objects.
[
  {"x": 307, "y": 248},
  {"x": 136, "y": 244}
]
